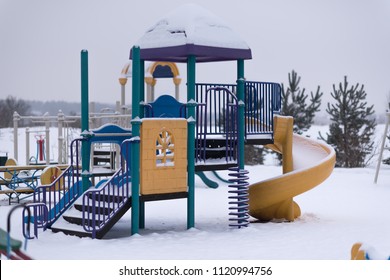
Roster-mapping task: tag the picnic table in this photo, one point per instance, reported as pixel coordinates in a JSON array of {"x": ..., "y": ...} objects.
[{"x": 20, "y": 179}]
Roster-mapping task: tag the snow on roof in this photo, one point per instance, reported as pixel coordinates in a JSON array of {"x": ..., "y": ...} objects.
[{"x": 192, "y": 30}]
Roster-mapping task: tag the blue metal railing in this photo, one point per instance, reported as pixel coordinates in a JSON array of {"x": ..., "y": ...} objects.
[
  {"x": 101, "y": 205},
  {"x": 262, "y": 101},
  {"x": 37, "y": 214},
  {"x": 64, "y": 190},
  {"x": 216, "y": 115}
]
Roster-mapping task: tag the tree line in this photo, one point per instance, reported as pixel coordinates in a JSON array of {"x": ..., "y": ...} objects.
[
  {"x": 352, "y": 122},
  {"x": 10, "y": 104},
  {"x": 7, "y": 108}
]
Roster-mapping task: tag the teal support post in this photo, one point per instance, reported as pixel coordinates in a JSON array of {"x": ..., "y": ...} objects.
[
  {"x": 141, "y": 115},
  {"x": 136, "y": 82},
  {"x": 135, "y": 178},
  {"x": 142, "y": 86},
  {"x": 86, "y": 146},
  {"x": 135, "y": 152},
  {"x": 191, "y": 62},
  {"x": 142, "y": 214},
  {"x": 241, "y": 112}
]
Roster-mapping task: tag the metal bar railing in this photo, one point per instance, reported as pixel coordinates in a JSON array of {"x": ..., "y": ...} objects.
[
  {"x": 216, "y": 115},
  {"x": 64, "y": 190},
  {"x": 262, "y": 101},
  {"x": 100, "y": 205},
  {"x": 37, "y": 214},
  {"x": 26, "y": 234}
]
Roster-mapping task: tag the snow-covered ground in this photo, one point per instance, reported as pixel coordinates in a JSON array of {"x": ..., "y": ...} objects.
[{"x": 345, "y": 209}]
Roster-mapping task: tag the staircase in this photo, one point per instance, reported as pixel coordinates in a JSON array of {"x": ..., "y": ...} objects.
[
  {"x": 97, "y": 210},
  {"x": 93, "y": 214}
]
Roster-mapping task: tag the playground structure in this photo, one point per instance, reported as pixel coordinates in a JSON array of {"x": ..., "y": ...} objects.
[
  {"x": 273, "y": 198},
  {"x": 42, "y": 136},
  {"x": 120, "y": 115},
  {"x": 158, "y": 70},
  {"x": 43, "y": 153},
  {"x": 169, "y": 141}
]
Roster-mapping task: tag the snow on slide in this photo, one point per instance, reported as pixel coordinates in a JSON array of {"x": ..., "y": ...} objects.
[{"x": 311, "y": 162}]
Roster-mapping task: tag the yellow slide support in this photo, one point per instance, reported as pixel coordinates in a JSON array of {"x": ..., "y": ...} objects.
[{"x": 306, "y": 164}]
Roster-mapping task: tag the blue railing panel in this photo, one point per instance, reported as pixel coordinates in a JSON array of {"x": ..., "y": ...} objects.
[
  {"x": 64, "y": 190},
  {"x": 216, "y": 118},
  {"x": 100, "y": 205},
  {"x": 262, "y": 101}
]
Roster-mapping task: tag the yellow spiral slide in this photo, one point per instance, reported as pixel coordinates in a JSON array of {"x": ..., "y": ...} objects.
[{"x": 306, "y": 164}]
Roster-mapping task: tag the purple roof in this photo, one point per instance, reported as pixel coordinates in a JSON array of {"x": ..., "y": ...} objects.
[{"x": 192, "y": 30}]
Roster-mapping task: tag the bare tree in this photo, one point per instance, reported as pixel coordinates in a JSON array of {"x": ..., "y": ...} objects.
[{"x": 7, "y": 108}]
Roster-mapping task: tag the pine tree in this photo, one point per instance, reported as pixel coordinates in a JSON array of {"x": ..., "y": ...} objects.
[
  {"x": 352, "y": 125},
  {"x": 295, "y": 104},
  {"x": 387, "y": 160},
  {"x": 254, "y": 154}
]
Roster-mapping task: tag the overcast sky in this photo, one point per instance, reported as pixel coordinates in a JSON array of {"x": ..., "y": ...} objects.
[{"x": 322, "y": 40}]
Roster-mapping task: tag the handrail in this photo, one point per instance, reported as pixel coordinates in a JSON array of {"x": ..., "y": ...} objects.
[
  {"x": 39, "y": 217},
  {"x": 101, "y": 205},
  {"x": 9, "y": 228},
  {"x": 64, "y": 190}
]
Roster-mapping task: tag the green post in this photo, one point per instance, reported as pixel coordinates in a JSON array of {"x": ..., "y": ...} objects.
[
  {"x": 141, "y": 115},
  {"x": 241, "y": 112},
  {"x": 86, "y": 147},
  {"x": 142, "y": 214},
  {"x": 191, "y": 62},
  {"x": 135, "y": 177},
  {"x": 142, "y": 86},
  {"x": 136, "y": 84},
  {"x": 135, "y": 152}
]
